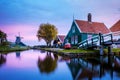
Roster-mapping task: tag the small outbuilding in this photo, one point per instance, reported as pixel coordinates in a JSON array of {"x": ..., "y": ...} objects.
[{"x": 58, "y": 42}]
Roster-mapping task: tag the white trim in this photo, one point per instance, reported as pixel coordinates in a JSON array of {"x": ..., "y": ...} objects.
[
  {"x": 59, "y": 39},
  {"x": 77, "y": 26},
  {"x": 69, "y": 30}
]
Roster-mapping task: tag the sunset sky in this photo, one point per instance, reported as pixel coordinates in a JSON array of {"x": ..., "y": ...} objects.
[{"x": 25, "y": 16}]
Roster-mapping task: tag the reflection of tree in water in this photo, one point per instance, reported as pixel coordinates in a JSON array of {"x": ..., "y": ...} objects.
[
  {"x": 2, "y": 59},
  {"x": 48, "y": 64}
]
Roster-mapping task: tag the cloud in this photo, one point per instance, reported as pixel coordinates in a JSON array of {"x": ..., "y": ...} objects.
[{"x": 26, "y": 15}]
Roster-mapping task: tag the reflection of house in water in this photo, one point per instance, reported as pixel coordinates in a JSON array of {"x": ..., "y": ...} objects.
[
  {"x": 74, "y": 68},
  {"x": 87, "y": 69},
  {"x": 80, "y": 70}
]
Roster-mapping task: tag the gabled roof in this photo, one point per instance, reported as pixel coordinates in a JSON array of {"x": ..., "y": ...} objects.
[
  {"x": 61, "y": 38},
  {"x": 91, "y": 27},
  {"x": 115, "y": 27}
]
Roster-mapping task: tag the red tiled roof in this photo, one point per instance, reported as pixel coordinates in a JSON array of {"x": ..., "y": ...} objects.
[
  {"x": 92, "y": 27},
  {"x": 115, "y": 27},
  {"x": 61, "y": 37}
]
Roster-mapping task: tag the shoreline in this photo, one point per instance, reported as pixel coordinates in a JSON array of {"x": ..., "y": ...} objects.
[
  {"x": 6, "y": 49},
  {"x": 84, "y": 53}
]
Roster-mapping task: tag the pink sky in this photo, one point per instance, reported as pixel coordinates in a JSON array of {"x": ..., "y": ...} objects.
[{"x": 25, "y": 16}]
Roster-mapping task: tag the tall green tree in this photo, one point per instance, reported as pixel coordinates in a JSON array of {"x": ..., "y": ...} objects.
[{"x": 48, "y": 32}]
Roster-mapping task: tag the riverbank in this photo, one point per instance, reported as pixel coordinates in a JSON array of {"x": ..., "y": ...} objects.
[
  {"x": 75, "y": 51},
  {"x": 71, "y": 53},
  {"x": 79, "y": 52},
  {"x": 6, "y": 49}
]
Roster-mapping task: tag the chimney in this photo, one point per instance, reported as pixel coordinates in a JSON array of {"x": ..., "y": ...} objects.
[{"x": 89, "y": 17}]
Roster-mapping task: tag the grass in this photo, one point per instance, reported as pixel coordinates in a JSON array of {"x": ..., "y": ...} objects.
[
  {"x": 70, "y": 50},
  {"x": 77, "y": 51},
  {"x": 116, "y": 51},
  {"x": 113, "y": 50},
  {"x": 5, "y": 49}
]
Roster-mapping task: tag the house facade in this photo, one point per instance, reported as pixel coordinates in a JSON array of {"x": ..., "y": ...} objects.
[
  {"x": 58, "y": 42},
  {"x": 81, "y": 30}
]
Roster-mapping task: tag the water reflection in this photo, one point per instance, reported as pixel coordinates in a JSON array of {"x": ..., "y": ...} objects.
[
  {"x": 18, "y": 54},
  {"x": 50, "y": 66},
  {"x": 2, "y": 59},
  {"x": 97, "y": 67},
  {"x": 42, "y": 51},
  {"x": 47, "y": 65}
]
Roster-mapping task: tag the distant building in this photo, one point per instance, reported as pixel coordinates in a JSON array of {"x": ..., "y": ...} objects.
[
  {"x": 81, "y": 30},
  {"x": 18, "y": 41},
  {"x": 115, "y": 27},
  {"x": 58, "y": 42}
]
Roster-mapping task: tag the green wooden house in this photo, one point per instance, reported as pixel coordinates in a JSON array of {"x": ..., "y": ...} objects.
[{"x": 81, "y": 30}]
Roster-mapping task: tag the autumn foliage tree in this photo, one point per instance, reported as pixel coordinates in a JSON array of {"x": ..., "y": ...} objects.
[{"x": 47, "y": 32}]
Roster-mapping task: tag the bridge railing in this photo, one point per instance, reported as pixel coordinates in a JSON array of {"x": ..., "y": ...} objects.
[
  {"x": 116, "y": 35},
  {"x": 112, "y": 36},
  {"x": 109, "y": 37},
  {"x": 88, "y": 41},
  {"x": 106, "y": 37}
]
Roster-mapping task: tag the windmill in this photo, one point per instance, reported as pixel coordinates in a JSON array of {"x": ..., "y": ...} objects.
[{"x": 18, "y": 39}]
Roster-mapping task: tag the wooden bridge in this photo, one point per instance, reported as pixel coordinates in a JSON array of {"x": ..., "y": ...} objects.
[{"x": 101, "y": 40}]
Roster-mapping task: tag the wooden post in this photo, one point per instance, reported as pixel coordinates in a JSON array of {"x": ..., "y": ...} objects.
[
  {"x": 101, "y": 46},
  {"x": 109, "y": 50},
  {"x": 100, "y": 38},
  {"x": 101, "y": 50},
  {"x": 92, "y": 41},
  {"x": 112, "y": 38}
]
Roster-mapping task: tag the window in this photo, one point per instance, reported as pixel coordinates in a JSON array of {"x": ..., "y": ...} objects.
[
  {"x": 72, "y": 40},
  {"x": 76, "y": 39}
]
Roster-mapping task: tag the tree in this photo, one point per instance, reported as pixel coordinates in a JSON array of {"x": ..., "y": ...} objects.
[
  {"x": 48, "y": 32},
  {"x": 3, "y": 37}
]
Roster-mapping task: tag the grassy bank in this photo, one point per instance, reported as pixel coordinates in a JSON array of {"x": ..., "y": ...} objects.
[
  {"x": 6, "y": 49},
  {"x": 70, "y": 50},
  {"x": 77, "y": 51},
  {"x": 115, "y": 51}
]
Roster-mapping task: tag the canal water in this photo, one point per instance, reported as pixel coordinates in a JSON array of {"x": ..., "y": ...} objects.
[{"x": 42, "y": 65}]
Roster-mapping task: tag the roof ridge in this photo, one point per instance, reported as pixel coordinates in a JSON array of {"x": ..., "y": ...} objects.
[
  {"x": 88, "y": 21},
  {"x": 116, "y": 23}
]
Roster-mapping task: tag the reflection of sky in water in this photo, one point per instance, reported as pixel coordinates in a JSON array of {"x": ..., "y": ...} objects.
[{"x": 26, "y": 68}]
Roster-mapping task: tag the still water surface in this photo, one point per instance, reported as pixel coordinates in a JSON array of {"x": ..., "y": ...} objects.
[{"x": 41, "y": 65}]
